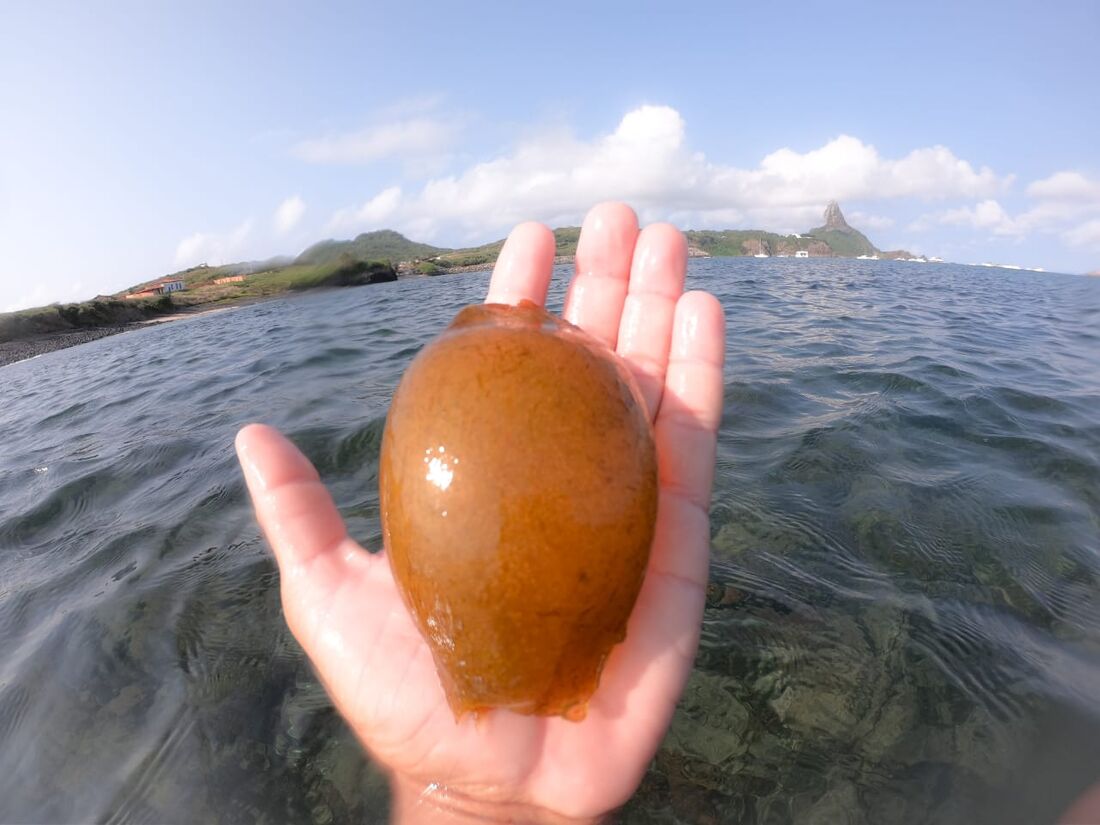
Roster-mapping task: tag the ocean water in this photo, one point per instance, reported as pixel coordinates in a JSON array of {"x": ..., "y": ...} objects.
[{"x": 904, "y": 609}]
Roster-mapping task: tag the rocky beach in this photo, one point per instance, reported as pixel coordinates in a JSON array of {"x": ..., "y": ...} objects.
[
  {"x": 34, "y": 345},
  {"x": 12, "y": 351}
]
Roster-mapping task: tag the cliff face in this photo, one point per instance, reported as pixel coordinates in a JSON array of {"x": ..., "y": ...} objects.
[
  {"x": 755, "y": 246},
  {"x": 834, "y": 218}
]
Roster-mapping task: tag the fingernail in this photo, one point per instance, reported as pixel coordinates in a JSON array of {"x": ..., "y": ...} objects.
[{"x": 252, "y": 476}]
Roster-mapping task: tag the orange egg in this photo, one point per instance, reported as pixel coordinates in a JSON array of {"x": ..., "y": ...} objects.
[{"x": 518, "y": 487}]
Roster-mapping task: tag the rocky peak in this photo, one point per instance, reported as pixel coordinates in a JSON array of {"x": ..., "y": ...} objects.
[{"x": 834, "y": 218}]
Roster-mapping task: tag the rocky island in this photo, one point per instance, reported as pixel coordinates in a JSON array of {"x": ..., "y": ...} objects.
[{"x": 833, "y": 239}]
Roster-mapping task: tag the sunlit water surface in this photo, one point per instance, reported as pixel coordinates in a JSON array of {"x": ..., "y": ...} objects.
[{"x": 904, "y": 619}]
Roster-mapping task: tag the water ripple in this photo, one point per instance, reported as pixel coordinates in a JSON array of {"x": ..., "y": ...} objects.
[{"x": 903, "y": 613}]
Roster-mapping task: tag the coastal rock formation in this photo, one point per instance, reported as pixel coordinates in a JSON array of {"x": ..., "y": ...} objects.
[
  {"x": 834, "y": 218},
  {"x": 755, "y": 246},
  {"x": 841, "y": 238}
]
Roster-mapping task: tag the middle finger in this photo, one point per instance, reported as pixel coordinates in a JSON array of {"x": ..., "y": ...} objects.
[{"x": 604, "y": 252}]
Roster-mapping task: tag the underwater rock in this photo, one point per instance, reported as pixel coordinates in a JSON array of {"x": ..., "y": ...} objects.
[{"x": 518, "y": 484}]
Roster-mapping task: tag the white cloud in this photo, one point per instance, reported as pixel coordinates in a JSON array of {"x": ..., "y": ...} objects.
[
  {"x": 988, "y": 215},
  {"x": 289, "y": 213},
  {"x": 377, "y": 210},
  {"x": 864, "y": 220},
  {"x": 410, "y": 138},
  {"x": 647, "y": 162},
  {"x": 1066, "y": 186},
  {"x": 847, "y": 168},
  {"x": 213, "y": 248},
  {"x": 1061, "y": 204},
  {"x": 1087, "y": 234},
  {"x": 47, "y": 293}
]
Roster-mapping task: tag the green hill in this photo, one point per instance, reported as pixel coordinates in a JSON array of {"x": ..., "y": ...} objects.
[
  {"x": 844, "y": 240},
  {"x": 845, "y": 245},
  {"x": 565, "y": 239},
  {"x": 835, "y": 239},
  {"x": 382, "y": 245},
  {"x": 722, "y": 243}
]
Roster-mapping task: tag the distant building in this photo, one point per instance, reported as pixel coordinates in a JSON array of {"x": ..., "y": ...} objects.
[
  {"x": 161, "y": 287},
  {"x": 229, "y": 279}
]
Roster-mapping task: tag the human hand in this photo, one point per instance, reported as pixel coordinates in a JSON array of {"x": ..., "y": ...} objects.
[{"x": 342, "y": 605}]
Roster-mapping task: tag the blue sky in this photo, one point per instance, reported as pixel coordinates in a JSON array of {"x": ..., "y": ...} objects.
[{"x": 138, "y": 139}]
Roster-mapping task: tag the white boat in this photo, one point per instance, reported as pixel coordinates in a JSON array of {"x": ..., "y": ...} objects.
[
  {"x": 802, "y": 253},
  {"x": 761, "y": 255}
]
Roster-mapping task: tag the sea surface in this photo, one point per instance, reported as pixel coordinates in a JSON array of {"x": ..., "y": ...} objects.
[{"x": 904, "y": 610}]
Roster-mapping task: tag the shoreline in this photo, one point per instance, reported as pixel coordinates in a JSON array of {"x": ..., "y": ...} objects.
[{"x": 23, "y": 349}]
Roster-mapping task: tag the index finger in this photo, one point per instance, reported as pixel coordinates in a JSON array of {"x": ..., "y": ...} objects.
[{"x": 293, "y": 507}]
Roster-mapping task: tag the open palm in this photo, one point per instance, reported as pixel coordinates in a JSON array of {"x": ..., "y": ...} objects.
[{"x": 343, "y": 607}]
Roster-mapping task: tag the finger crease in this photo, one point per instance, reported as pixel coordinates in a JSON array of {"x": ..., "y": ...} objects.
[{"x": 685, "y": 495}]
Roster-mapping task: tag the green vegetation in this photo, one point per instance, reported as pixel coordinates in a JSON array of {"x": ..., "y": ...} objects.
[
  {"x": 738, "y": 242},
  {"x": 428, "y": 268},
  {"x": 383, "y": 245},
  {"x": 85, "y": 315},
  {"x": 565, "y": 243},
  {"x": 201, "y": 291},
  {"x": 478, "y": 256},
  {"x": 565, "y": 240},
  {"x": 295, "y": 278},
  {"x": 846, "y": 244}
]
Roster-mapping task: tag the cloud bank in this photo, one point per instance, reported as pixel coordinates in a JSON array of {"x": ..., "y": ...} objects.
[
  {"x": 647, "y": 162},
  {"x": 402, "y": 139},
  {"x": 289, "y": 213},
  {"x": 213, "y": 248},
  {"x": 1066, "y": 204}
]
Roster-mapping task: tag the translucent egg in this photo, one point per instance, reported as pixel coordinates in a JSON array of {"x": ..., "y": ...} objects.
[{"x": 518, "y": 487}]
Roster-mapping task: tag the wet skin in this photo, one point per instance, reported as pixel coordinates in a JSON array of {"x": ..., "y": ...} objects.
[{"x": 343, "y": 606}]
